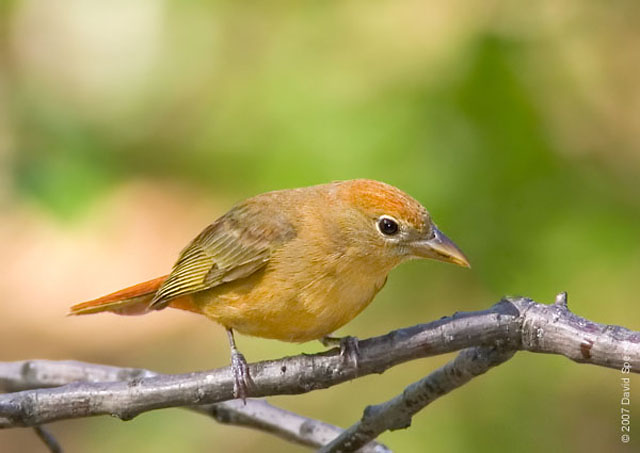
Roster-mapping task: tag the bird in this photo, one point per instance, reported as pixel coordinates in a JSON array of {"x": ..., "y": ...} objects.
[{"x": 293, "y": 265}]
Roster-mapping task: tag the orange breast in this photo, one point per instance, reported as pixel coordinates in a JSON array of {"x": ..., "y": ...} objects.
[{"x": 295, "y": 304}]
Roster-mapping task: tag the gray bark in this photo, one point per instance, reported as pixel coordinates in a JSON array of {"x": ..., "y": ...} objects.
[{"x": 42, "y": 392}]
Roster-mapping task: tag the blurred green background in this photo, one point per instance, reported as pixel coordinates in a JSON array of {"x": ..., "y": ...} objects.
[{"x": 127, "y": 126}]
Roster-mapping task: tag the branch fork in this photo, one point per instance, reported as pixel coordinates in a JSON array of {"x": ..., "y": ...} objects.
[{"x": 39, "y": 391}]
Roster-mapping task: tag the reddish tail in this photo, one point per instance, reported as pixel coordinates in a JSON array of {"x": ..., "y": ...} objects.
[{"x": 134, "y": 300}]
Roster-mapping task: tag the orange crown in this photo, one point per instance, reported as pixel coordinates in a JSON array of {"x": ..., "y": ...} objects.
[{"x": 379, "y": 198}]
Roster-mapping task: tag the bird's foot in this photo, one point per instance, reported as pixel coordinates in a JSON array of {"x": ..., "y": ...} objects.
[
  {"x": 242, "y": 381},
  {"x": 349, "y": 348}
]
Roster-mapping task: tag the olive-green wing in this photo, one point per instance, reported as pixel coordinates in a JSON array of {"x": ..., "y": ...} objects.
[{"x": 234, "y": 246}]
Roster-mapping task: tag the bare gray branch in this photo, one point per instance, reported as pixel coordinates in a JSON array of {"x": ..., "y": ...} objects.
[
  {"x": 398, "y": 412},
  {"x": 512, "y": 324},
  {"x": 259, "y": 414},
  {"x": 47, "y": 438},
  {"x": 256, "y": 414}
]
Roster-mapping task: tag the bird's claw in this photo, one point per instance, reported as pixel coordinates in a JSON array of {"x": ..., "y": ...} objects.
[
  {"x": 242, "y": 381},
  {"x": 349, "y": 348}
]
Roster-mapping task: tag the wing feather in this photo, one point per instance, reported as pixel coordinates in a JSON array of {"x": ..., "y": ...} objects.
[{"x": 233, "y": 247}]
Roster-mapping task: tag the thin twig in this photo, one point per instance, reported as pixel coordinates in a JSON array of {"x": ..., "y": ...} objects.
[
  {"x": 259, "y": 414},
  {"x": 512, "y": 323},
  {"x": 48, "y": 439},
  {"x": 398, "y": 412}
]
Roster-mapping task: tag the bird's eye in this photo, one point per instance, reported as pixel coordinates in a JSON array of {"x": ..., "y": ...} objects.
[{"x": 387, "y": 226}]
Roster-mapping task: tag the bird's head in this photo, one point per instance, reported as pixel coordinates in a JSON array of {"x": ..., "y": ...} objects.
[{"x": 394, "y": 225}]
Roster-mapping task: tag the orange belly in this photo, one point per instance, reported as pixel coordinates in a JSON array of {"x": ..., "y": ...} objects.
[{"x": 265, "y": 306}]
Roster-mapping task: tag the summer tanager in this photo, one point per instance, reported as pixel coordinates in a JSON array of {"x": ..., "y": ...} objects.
[{"x": 294, "y": 265}]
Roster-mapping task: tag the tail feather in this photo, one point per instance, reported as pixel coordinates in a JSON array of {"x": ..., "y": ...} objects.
[{"x": 134, "y": 300}]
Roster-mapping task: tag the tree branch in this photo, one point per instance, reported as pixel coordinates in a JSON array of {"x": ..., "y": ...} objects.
[
  {"x": 398, "y": 412},
  {"x": 511, "y": 324},
  {"x": 256, "y": 414},
  {"x": 259, "y": 414},
  {"x": 47, "y": 438}
]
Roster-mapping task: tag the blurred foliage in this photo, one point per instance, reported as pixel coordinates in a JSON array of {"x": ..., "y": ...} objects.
[{"x": 511, "y": 121}]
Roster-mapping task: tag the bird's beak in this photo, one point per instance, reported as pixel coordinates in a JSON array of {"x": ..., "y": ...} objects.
[{"x": 440, "y": 248}]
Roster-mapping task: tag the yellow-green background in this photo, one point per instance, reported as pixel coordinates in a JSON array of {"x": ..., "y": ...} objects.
[{"x": 127, "y": 126}]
